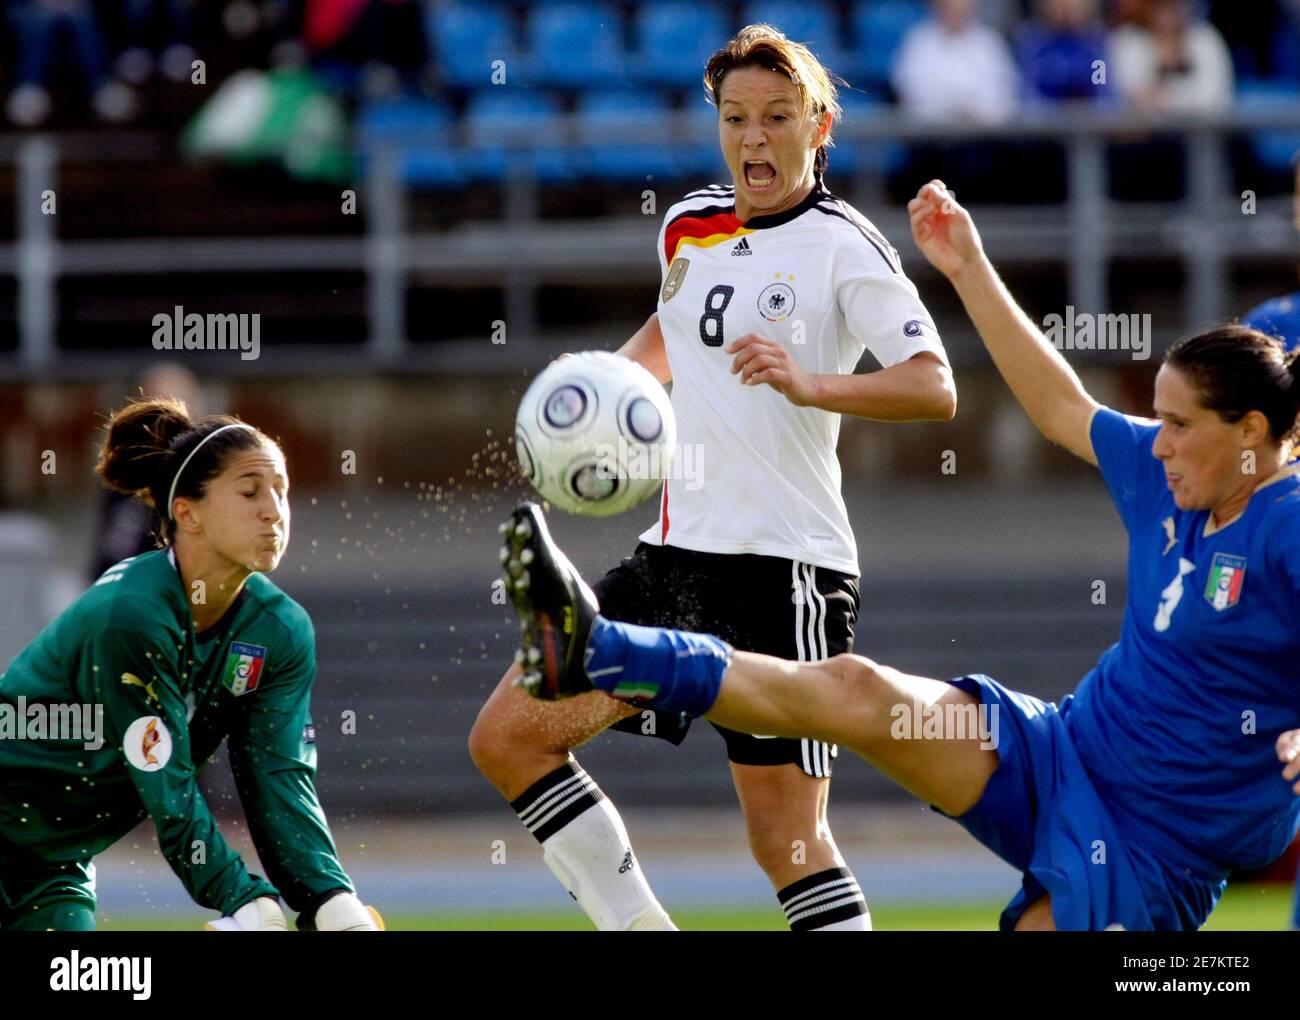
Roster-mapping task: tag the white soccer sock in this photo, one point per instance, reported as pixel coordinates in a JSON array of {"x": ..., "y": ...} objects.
[
  {"x": 586, "y": 846},
  {"x": 860, "y": 923}
]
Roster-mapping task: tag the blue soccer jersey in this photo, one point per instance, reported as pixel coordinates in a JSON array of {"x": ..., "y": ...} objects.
[
  {"x": 1177, "y": 723},
  {"x": 1279, "y": 317}
]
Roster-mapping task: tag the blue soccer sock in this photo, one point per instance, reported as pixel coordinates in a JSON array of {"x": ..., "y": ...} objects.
[{"x": 674, "y": 670}]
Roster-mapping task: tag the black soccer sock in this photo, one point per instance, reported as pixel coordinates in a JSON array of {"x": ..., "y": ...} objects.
[
  {"x": 822, "y": 899},
  {"x": 556, "y": 799}
]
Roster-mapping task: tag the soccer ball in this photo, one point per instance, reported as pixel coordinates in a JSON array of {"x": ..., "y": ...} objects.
[{"x": 595, "y": 433}]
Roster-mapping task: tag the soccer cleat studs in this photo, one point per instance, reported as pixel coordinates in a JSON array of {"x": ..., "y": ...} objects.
[{"x": 554, "y": 605}]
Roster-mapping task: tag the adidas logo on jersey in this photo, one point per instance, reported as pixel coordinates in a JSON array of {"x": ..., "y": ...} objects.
[
  {"x": 742, "y": 248},
  {"x": 627, "y": 865}
]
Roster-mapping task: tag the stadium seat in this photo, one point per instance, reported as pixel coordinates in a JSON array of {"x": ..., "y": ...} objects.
[
  {"x": 1286, "y": 50},
  {"x": 674, "y": 41},
  {"x": 1275, "y": 150},
  {"x": 703, "y": 158},
  {"x": 573, "y": 45},
  {"x": 849, "y": 157},
  {"x": 626, "y": 158},
  {"x": 814, "y": 24},
  {"x": 878, "y": 31},
  {"x": 467, "y": 38},
  {"x": 502, "y": 121},
  {"x": 423, "y": 128}
]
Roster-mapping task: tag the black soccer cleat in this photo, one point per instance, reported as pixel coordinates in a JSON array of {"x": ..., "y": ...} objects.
[{"x": 554, "y": 605}]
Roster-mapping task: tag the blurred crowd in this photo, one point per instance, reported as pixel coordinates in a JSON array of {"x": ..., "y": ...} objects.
[
  {"x": 982, "y": 59},
  {"x": 288, "y": 76}
]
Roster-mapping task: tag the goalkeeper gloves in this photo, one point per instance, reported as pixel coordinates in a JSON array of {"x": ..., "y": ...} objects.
[
  {"x": 345, "y": 912},
  {"x": 261, "y": 914}
]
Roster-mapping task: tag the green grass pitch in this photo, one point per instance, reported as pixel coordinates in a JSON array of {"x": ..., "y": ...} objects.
[{"x": 1244, "y": 908}]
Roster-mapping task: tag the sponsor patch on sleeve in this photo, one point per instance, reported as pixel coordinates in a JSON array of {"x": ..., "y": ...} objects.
[{"x": 147, "y": 744}]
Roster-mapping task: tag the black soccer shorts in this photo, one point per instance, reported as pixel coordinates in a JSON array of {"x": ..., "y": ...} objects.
[{"x": 757, "y": 603}]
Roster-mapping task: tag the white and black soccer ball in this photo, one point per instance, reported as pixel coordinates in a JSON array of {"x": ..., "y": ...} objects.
[{"x": 595, "y": 433}]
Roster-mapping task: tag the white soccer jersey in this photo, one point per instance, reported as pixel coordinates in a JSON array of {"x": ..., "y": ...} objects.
[{"x": 753, "y": 472}]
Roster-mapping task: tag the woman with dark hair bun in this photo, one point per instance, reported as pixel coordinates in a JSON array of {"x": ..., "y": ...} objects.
[{"x": 122, "y": 698}]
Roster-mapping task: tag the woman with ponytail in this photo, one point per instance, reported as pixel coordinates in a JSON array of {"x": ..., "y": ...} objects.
[{"x": 171, "y": 652}]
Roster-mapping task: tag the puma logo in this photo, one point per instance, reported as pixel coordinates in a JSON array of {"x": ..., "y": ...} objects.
[
  {"x": 1172, "y": 595},
  {"x": 130, "y": 679}
]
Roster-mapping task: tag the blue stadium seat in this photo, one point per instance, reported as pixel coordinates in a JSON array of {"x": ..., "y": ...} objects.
[
  {"x": 467, "y": 38},
  {"x": 878, "y": 31},
  {"x": 1276, "y": 150},
  {"x": 703, "y": 159},
  {"x": 625, "y": 158},
  {"x": 814, "y": 24},
  {"x": 1286, "y": 49},
  {"x": 849, "y": 157},
  {"x": 674, "y": 41},
  {"x": 574, "y": 45},
  {"x": 431, "y": 162},
  {"x": 499, "y": 119}
]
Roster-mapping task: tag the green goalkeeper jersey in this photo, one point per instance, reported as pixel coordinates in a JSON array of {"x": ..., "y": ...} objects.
[{"x": 169, "y": 696}]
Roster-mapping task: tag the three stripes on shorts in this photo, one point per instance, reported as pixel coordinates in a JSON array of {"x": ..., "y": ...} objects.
[{"x": 810, "y": 645}]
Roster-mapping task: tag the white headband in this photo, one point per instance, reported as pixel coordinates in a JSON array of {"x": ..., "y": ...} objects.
[{"x": 171, "y": 493}]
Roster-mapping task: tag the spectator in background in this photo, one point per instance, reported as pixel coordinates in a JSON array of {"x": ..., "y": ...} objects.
[
  {"x": 157, "y": 27},
  {"x": 40, "y": 27},
  {"x": 373, "y": 47},
  {"x": 126, "y": 526},
  {"x": 1172, "y": 61},
  {"x": 953, "y": 67},
  {"x": 1262, "y": 35},
  {"x": 1057, "y": 51}
]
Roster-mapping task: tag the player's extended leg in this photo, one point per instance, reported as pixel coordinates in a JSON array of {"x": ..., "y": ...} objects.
[
  {"x": 869, "y": 708},
  {"x": 522, "y": 746},
  {"x": 847, "y": 699}
]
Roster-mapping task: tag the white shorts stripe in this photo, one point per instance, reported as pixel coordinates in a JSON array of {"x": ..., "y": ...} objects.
[
  {"x": 823, "y": 650},
  {"x": 810, "y": 596},
  {"x": 796, "y": 582}
]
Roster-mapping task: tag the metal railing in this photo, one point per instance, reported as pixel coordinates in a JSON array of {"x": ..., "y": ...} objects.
[{"x": 1205, "y": 232}]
